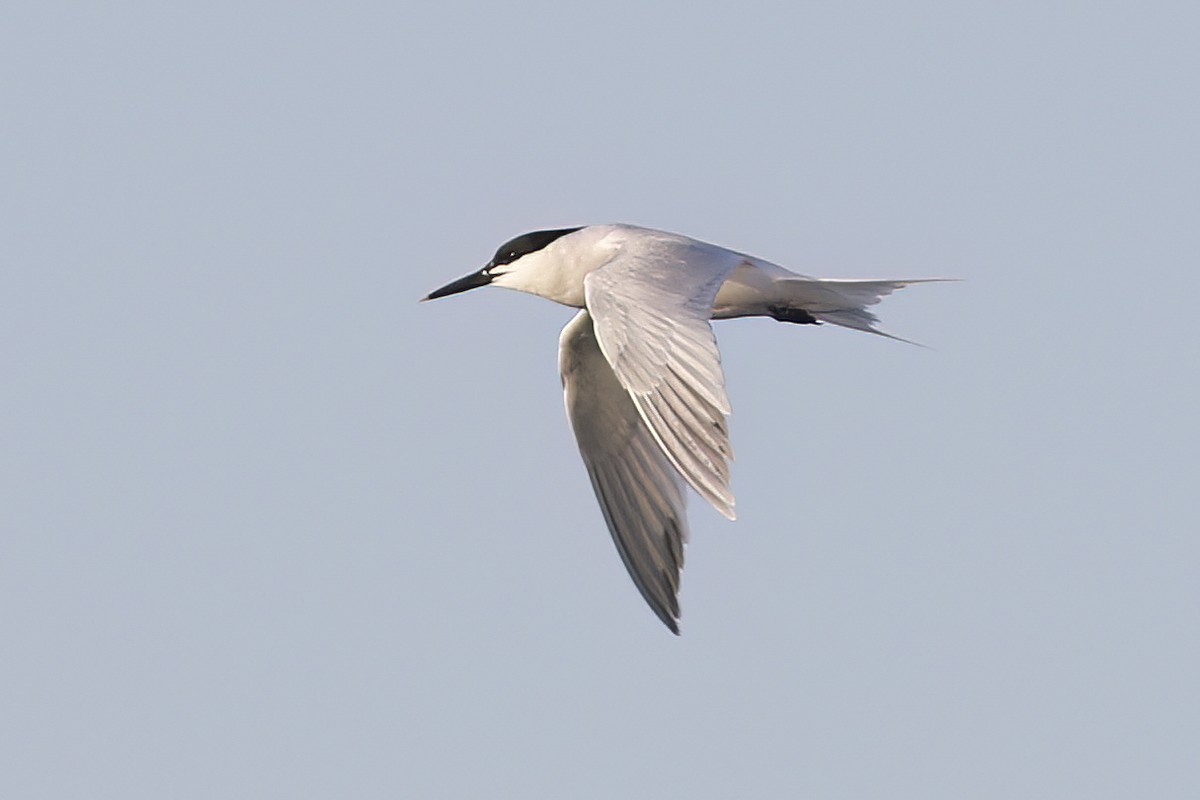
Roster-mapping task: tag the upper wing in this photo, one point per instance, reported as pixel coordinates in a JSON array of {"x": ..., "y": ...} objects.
[
  {"x": 651, "y": 307},
  {"x": 640, "y": 494}
]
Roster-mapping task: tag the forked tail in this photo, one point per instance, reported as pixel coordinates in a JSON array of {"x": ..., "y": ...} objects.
[{"x": 842, "y": 301}]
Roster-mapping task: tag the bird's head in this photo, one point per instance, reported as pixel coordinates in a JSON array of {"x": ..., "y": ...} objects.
[{"x": 521, "y": 263}]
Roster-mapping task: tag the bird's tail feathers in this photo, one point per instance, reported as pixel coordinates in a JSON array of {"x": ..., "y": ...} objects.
[{"x": 845, "y": 301}]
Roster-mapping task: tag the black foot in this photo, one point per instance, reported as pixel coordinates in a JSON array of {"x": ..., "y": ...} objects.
[{"x": 796, "y": 315}]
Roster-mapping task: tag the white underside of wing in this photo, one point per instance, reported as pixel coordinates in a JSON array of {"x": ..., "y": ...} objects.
[{"x": 640, "y": 492}]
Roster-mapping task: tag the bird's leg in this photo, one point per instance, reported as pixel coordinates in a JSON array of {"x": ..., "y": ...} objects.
[{"x": 789, "y": 314}]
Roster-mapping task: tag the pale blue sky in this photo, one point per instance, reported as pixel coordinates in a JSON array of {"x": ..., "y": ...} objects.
[{"x": 273, "y": 529}]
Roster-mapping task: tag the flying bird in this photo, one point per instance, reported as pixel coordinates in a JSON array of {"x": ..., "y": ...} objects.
[{"x": 641, "y": 373}]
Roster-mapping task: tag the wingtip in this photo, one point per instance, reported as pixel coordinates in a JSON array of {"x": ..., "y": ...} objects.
[
  {"x": 669, "y": 620},
  {"x": 724, "y": 506}
]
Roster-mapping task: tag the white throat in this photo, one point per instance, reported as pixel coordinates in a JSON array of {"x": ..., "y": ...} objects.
[{"x": 556, "y": 272}]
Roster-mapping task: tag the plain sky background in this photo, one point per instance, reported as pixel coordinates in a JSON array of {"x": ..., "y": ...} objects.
[{"x": 273, "y": 529}]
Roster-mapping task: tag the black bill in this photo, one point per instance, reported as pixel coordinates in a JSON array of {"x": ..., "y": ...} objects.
[{"x": 472, "y": 281}]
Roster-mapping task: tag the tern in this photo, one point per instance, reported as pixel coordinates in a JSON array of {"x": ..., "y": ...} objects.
[{"x": 642, "y": 378}]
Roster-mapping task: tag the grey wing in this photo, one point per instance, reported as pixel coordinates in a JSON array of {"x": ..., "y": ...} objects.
[
  {"x": 639, "y": 491},
  {"x": 651, "y": 307}
]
